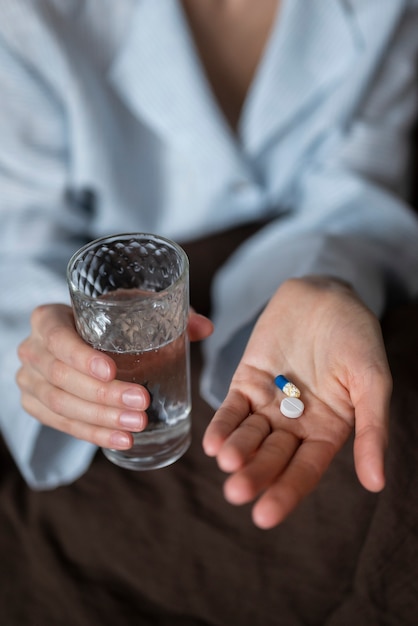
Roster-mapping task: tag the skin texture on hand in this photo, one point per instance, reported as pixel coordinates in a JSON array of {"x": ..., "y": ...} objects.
[
  {"x": 318, "y": 334},
  {"x": 69, "y": 386}
]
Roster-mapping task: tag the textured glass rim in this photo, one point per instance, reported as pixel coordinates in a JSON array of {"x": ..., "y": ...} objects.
[{"x": 123, "y": 236}]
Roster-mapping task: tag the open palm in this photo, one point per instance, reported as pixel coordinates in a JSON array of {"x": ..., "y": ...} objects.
[{"x": 317, "y": 333}]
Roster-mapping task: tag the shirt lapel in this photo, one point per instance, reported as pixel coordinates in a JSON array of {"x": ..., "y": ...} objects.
[
  {"x": 312, "y": 44},
  {"x": 158, "y": 74}
]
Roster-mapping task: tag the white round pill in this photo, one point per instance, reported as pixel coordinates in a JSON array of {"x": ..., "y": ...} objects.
[{"x": 292, "y": 407}]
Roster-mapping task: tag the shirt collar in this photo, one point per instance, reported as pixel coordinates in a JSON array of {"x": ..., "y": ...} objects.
[{"x": 157, "y": 72}]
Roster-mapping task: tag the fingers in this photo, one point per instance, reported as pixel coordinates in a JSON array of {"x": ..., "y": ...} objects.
[
  {"x": 68, "y": 385},
  {"x": 64, "y": 377},
  {"x": 341, "y": 359},
  {"x": 278, "y": 467},
  {"x": 115, "y": 414},
  {"x": 369, "y": 457},
  {"x": 370, "y": 393},
  {"x": 300, "y": 477},
  {"x": 107, "y": 425},
  {"x": 199, "y": 326},
  {"x": 53, "y": 326},
  {"x": 103, "y": 437},
  {"x": 281, "y": 462},
  {"x": 371, "y": 435},
  {"x": 233, "y": 411},
  {"x": 242, "y": 444},
  {"x": 276, "y": 460},
  {"x": 263, "y": 468}
]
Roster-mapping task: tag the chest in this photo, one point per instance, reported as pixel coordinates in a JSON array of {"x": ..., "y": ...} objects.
[{"x": 230, "y": 38}]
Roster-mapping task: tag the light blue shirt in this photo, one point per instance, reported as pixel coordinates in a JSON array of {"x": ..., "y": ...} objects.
[{"x": 109, "y": 97}]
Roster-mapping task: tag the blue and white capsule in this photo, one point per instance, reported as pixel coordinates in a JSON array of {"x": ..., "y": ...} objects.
[{"x": 289, "y": 389}]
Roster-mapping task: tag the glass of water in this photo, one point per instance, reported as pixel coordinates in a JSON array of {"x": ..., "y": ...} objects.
[{"x": 130, "y": 297}]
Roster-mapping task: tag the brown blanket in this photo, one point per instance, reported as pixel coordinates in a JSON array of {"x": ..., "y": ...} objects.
[{"x": 125, "y": 548}]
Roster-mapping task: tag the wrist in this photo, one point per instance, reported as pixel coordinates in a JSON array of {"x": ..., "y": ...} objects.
[{"x": 327, "y": 281}]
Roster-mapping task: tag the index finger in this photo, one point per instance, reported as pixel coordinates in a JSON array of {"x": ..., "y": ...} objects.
[
  {"x": 227, "y": 418},
  {"x": 54, "y": 323}
]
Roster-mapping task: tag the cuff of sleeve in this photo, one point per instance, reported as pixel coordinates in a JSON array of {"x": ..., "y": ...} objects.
[{"x": 45, "y": 457}]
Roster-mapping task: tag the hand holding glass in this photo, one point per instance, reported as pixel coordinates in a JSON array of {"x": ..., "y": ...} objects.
[{"x": 130, "y": 297}]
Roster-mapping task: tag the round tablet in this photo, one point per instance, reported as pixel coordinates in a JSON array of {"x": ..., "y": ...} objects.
[{"x": 292, "y": 407}]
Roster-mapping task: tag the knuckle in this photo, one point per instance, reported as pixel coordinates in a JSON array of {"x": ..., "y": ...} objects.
[
  {"x": 53, "y": 400},
  {"x": 57, "y": 373},
  {"x": 52, "y": 340},
  {"x": 102, "y": 394},
  {"x": 26, "y": 352},
  {"x": 38, "y": 314},
  {"x": 21, "y": 378},
  {"x": 23, "y": 351},
  {"x": 101, "y": 416}
]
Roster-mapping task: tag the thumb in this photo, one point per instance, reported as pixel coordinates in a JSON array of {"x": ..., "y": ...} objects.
[
  {"x": 371, "y": 434},
  {"x": 199, "y": 326}
]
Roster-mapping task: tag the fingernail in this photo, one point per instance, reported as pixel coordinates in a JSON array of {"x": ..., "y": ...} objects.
[
  {"x": 133, "y": 398},
  {"x": 121, "y": 441},
  {"x": 133, "y": 421},
  {"x": 100, "y": 368}
]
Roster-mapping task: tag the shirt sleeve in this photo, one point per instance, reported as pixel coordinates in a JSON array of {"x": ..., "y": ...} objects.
[
  {"x": 39, "y": 228},
  {"x": 347, "y": 220}
]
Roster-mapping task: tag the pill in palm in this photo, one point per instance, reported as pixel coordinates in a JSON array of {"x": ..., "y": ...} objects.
[
  {"x": 292, "y": 407},
  {"x": 288, "y": 388}
]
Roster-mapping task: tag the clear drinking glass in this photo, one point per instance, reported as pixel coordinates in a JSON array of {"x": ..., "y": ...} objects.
[{"x": 130, "y": 297}]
